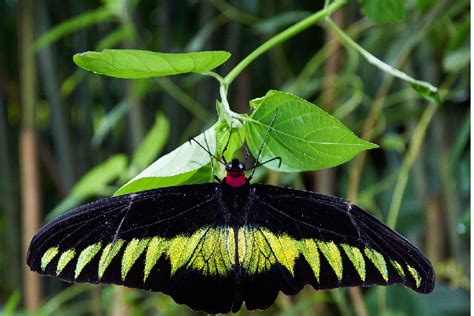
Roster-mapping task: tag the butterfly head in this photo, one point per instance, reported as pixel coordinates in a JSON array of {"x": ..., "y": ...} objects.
[{"x": 235, "y": 173}]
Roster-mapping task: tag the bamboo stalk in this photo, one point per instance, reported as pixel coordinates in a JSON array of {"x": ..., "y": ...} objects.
[
  {"x": 48, "y": 71},
  {"x": 9, "y": 202},
  {"x": 82, "y": 98},
  {"x": 28, "y": 149}
]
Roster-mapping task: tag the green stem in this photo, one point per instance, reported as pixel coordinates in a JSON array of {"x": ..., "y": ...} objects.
[
  {"x": 184, "y": 99},
  {"x": 214, "y": 75},
  {"x": 281, "y": 37},
  {"x": 412, "y": 154},
  {"x": 415, "y": 147},
  {"x": 377, "y": 62}
]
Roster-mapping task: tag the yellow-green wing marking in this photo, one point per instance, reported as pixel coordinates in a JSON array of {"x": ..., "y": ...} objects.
[
  {"x": 378, "y": 261},
  {"x": 415, "y": 275},
  {"x": 85, "y": 257},
  {"x": 212, "y": 252},
  {"x": 227, "y": 247},
  {"x": 356, "y": 258},
  {"x": 134, "y": 249},
  {"x": 333, "y": 256},
  {"x": 282, "y": 249},
  {"x": 64, "y": 259},
  {"x": 398, "y": 267},
  {"x": 48, "y": 256},
  {"x": 156, "y": 247},
  {"x": 109, "y": 252},
  {"x": 309, "y": 249}
]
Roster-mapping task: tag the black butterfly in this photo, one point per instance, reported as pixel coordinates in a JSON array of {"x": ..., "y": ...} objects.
[{"x": 214, "y": 246}]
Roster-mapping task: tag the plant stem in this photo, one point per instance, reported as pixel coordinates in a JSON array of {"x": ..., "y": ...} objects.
[
  {"x": 281, "y": 37},
  {"x": 183, "y": 98},
  {"x": 233, "y": 13},
  {"x": 377, "y": 62},
  {"x": 412, "y": 154},
  {"x": 415, "y": 147}
]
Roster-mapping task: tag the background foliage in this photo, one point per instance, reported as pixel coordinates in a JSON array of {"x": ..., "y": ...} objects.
[{"x": 94, "y": 133}]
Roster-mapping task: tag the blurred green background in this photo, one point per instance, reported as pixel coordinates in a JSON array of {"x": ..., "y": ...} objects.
[{"x": 68, "y": 136}]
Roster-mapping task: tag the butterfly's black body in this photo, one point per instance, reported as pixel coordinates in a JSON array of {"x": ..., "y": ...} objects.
[{"x": 252, "y": 219}]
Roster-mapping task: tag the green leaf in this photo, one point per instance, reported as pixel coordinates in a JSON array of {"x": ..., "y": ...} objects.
[
  {"x": 135, "y": 64},
  {"x": 201, "y": 175},
  {"x": 153, "y": 143},
  {"x": 426, "y": 93},
  {"x": 198, "y": 41},
  {"x": 93, "y": 182},
  {"x": 11, "y": 304},
  {"x": 236, "y": 140},
  {"x": 383, "y": 11},
  {"x": 457, "y": 55},
  {"x": 425, "y": 5},
  {"x": 100, "y": 176},
  {"x": 71, "y": 82},
  {"x": 111, "y": 119},
  {"x": 91, "y": 17},
  {"x": 169, "y": 169},
  {"x": 68, "y": 203},
  {"x": 393, "y": 142},
  {"x": 303, "y": 136},
  {"x": 277, "y": 22},
  {"x": 116, "y": 37},
  {"x": 458, "y": 59}
]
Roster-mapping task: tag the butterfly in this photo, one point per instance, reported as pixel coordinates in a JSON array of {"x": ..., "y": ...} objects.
[{"x": 216, "y": 246}]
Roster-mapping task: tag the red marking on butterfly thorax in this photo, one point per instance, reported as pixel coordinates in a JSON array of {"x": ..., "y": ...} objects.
[{"x": 235, "y": 178}]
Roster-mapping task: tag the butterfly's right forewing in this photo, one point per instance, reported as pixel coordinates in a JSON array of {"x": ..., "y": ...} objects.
[{"x": 333, "y": 243}]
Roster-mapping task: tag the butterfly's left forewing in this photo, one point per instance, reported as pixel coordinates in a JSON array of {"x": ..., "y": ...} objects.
[{"x": 163, "y": 240}]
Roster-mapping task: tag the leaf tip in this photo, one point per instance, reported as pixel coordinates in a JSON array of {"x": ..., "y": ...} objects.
[
  {"x": 78, "y": 59},
  {"x": 371, "y": 145},
  {"x": 225, "y": 54}
]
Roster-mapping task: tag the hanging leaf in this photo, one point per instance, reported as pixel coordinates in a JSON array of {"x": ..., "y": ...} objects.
[{"x": 135, "y": 64}]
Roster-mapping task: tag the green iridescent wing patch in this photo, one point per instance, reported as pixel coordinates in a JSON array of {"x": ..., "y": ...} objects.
[{"x": 215, "y": 247}]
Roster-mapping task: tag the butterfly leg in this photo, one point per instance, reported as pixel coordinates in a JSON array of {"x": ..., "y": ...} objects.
[
  {"x": 214, "y": 173},
  {"x": 247, "y": 154}
]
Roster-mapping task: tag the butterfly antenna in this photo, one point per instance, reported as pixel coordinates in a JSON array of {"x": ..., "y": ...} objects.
[
  {"x": 212, "y": 161},
  {"x": 263, "y": 144},
  {"x": 227, "y": 144},
  {"x": 210, "y": 155},
  {"x": 265, "y": 162},
  {"x": 206, "y": 149}
]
